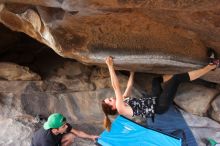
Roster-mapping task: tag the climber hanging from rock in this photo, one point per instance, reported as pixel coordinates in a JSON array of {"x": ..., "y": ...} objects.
[{"x": 147, "y": 106}]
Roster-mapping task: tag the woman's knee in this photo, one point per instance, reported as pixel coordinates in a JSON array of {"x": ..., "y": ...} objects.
[
  {"x": 183, "y": 77},
  {"x": 68, "y": 139}
]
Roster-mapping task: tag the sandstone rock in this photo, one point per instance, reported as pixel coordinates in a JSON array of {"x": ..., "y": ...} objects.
[
  {"x": 199, "y": 122},
  {"x": 215, "y": 111},
  {"x": 204, "y": 133},
  {"x": 215, "y": 115},
  {"x": 164, "y": 37},
  {"x": 87, "y": 106},
  {"x": 9, "y": 105},
  {"x": 216, "y": 103},
  {"x": 140, "y": 44},
  {"x": 19, "y": 133},
  {"x": 78, "y": 107},
  {"x": 83, "y": 142},
  {"x": 202, "y": 127},
  {"x": 77, "y": 84},
  {"x": 102, "y": 83},
  {"x": 36, "y": 103},
  {"x": 22, "y": 101},
  {"x": 54, "y": 87},
  {"x": 101, "y": 78},
  {"x": 212, "y": 76},
  {"x": 32, "y": 17},
  {"x": 69, "y": 76},
  {"x": 190, "y": 98},
  {"x": 99, "y": 73},
  {"x": 14, "y": 133},
  {"x": 10, "y": 71},
  {"x": 12, "y": 86},
  {"x": 71, "y": 69}
]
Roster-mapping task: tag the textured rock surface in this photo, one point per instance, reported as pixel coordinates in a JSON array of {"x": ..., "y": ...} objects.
[
  {"x": 148, "y": 36},
  {"x": 215, "y": 109},
  {"x": 202, "y": 128},
  {"x": 22, "y": 103},
  {"x": 212, "y": 76},
  {"x": 190, "y": 98},
  {"x": 15, "y": 133},
  {"x": 10, "y": 71},
  {"x": 151, "y": 36}
]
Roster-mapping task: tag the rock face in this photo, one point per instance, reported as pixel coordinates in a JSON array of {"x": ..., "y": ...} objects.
[
  {"x": 147, "y": 36},
  {"x": 215, "y": 113},
  {"x": 11, "y": 71},
  {"x": 202, "y": 128},
  {"x": 78, "y": 96},
  {"x": 160, "y": 36},
  {"x": 212, "y": 76},
  {"x": 76, "y": 91},
  {"x": 74, "y": 95},
  {"x": 190, "y": 98},
  {"x": 9, "y": 132}
]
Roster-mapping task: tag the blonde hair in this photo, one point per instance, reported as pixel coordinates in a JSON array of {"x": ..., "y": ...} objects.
[{"x": 107, "y": 109}]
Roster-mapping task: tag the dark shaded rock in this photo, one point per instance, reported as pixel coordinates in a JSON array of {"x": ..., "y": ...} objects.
[
  {"x": 54, "y": 87},
  {"x": 33, "y": 87},
  {"x": 35, "y": 104}
]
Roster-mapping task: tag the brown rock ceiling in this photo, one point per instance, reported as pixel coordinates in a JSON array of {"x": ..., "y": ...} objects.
[{"x": 157, "y": 36}]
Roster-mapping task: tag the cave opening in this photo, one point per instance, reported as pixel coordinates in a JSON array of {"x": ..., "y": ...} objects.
[{"x": 21, "y": 49}]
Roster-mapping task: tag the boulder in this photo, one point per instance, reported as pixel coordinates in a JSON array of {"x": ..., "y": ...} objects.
[
  {"x": 195, "y": 99},
  {"x": 212, "y": 76},
  {"x": 202, "y": 127},
  {"x": 92, "y": 30},
  {"x": 11, "y": 71},
  {"x": 215, "y": 110},
  {"x": 15, "y": 133}
]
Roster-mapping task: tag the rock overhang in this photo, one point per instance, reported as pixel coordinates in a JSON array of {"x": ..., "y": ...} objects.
[{"x": 141, "y": 36}]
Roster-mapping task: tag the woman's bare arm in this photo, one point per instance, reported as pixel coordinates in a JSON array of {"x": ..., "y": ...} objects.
[
  {"x": 129, "y": 85},
  {"x": 121, "y": 107}
]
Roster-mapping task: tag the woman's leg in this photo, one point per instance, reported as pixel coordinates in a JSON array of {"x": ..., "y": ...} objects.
[
  {"x": 156, "y": 86},
  {"x": 169, "y": 91},
  {"x": 171, "y": 86},
  {"x": 195, "y": 74},
  {"x": 167, "y": 77}
]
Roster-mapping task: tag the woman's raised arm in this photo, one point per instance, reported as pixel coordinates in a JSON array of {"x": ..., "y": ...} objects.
[
  {"x": 129, "y": 85},
  {"x": 120, "y": 106}
]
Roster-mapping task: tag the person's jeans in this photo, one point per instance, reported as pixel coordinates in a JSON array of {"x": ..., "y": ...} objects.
[{"x": 171, "y": 121}]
